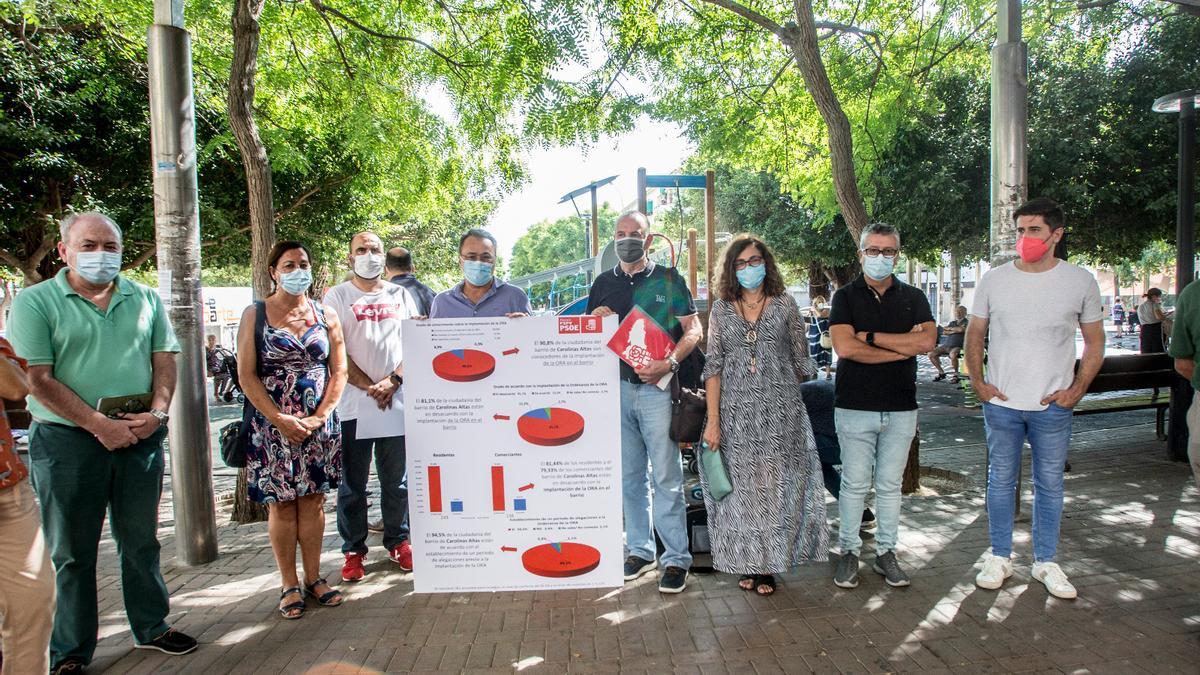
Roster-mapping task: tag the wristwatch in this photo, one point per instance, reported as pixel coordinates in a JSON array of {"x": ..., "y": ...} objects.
[
  {"x": 163, "y": 417},
  {"x": 396, "y": 379},
  {"x": 871, "y": 338},
  {"x": 674, "y": 363}
]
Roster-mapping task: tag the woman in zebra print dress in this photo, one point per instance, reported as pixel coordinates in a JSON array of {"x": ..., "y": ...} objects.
[{"x": 757, "y": 357}]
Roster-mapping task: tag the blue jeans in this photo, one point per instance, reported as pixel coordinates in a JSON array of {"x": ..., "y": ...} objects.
[
  {"x": 352, "y": 493},
  {"x": 645, "y": 424},
  {"x": 872, "y": 442},
  {"x": 1049, "y": 434}
]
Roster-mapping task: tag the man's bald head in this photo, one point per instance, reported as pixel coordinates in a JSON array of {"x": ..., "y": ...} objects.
[
  {"x": 364, "y": 242},
  {"x": 399, "y": 260}
]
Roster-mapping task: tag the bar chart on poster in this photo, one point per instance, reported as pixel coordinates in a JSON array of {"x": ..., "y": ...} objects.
[{"x": 513, "y": 453}]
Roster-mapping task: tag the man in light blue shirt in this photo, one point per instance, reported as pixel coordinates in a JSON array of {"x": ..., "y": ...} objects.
[{"x": 480, "y": 293}]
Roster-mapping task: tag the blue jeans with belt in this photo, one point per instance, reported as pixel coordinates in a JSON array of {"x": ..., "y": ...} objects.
[
  {"x": 873, "y": 443},
  {"x": 645, "y": 429},
  {"x": 1049, "y": 434}
]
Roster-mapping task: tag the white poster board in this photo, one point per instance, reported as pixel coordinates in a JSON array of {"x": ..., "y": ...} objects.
[{"x": 514, "y": 453}]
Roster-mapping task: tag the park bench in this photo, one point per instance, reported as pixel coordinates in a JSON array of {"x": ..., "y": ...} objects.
[{"x": 1147, "y": 378}]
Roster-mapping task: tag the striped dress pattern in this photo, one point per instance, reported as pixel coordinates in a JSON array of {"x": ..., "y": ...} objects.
[{"x": 775, "y": 517}]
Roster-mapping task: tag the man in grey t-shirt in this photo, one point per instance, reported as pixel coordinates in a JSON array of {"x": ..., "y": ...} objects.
[{"x": 1030, "y": 309}]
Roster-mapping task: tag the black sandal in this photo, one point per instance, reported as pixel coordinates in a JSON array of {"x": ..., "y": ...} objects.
[
  {"x": 747, "y": 577},
  {"x": 298, "y": 606},
  {"x": 939, "y": 378},
  {"x": 767, "y": 581},
  {"x": 331, "y": 599}
]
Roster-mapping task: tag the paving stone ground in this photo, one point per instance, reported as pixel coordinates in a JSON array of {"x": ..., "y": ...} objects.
[{"x": 1130, "y": 543}]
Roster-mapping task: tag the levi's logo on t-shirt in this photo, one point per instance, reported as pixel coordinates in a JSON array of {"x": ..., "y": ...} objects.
[{"x": 376, "y": 312}]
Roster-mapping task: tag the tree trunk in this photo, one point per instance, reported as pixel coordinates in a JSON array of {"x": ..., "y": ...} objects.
[
  {"x": 844, "y": 274},
  {"x": 955, "y": 283},
  {"x": 802, "y": 40},
  {"x": 818, "y": 282},
  {"x": 912, "y": 470},
  {"x": 254, "y": 153},
  {"x": 258, "y": 183}
]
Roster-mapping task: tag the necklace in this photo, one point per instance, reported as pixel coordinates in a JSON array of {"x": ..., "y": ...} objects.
[
  {"x": 751, "y": 338},
  {"x": 753, "y": 305}
]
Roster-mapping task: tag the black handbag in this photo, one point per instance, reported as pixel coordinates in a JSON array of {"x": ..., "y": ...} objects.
[
  {"x": 689, "y": 408},
  {"x": 235, "y": 436}
]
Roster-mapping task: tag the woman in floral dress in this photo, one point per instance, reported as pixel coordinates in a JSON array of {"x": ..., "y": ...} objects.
[{"x": 292, "y": 365}]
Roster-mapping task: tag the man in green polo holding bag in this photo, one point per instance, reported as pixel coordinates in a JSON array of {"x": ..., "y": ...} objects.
[{"x": 96, "y": 341}]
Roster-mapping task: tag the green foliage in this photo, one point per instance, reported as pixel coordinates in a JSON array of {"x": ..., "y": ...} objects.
[
  {"x": 753, "y": 201},
  {"x": 551, "y": 243},
  {"x": 74, "y": 133}
]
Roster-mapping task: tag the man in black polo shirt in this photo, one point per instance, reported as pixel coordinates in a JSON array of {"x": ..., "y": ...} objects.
[
  {"x": 878, "y": 325},
  {"x": 646, "y": 409}
]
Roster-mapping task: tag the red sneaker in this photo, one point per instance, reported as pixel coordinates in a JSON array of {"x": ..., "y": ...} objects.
[
  {"x": 353, "y": 569},
  {"x": 401, "y": 554}
]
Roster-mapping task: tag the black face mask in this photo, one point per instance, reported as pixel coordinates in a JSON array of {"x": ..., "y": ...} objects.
[{"x": 630, "y": 249}]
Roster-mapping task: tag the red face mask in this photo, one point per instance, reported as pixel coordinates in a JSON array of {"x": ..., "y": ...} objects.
[{"x": 1032, "y": 249}]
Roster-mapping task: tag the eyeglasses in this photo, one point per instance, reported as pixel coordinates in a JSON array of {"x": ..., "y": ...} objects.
[
  {"x": 754, "y": 262},
  {"x": 885, "y": 252},
  {"x": 473, "y": 257}
]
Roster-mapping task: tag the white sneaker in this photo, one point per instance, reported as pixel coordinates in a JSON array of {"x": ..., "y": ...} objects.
[
  {"x": 1055, "y": 580},
  {"x": 995, "y": 570}
]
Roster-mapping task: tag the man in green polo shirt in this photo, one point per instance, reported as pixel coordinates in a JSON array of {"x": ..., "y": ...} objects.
[
  {"x": 90, "y": 334},
  {"x": 1185, "y": 343}
]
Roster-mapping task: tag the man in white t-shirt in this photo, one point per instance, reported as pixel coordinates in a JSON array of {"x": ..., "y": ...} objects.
[
  {"x": 1029, "y": 309},
  {"x": 372, "y": 407}
]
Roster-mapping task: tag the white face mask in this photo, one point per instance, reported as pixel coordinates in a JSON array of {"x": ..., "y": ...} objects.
[
  {"x": 98, "y": 267},
  {"x": 368, "y": 265}
]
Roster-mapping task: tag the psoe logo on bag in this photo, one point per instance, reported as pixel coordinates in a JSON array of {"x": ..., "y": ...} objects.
[
  {"x": 568, "y": 324},
  {"x": 375, "y": 312}
]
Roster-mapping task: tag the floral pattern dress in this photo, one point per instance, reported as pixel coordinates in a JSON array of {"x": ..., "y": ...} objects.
[{"x": 295, "y": 372}]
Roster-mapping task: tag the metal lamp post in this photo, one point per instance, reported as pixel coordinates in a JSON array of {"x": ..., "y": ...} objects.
[
  {"x": 177, "y": 231},
  {"x": 1183, "y": 102}
]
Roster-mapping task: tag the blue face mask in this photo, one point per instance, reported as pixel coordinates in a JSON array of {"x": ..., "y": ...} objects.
[
  {"x": 296, "y": 282},
  {"x": 477, "y": 273},
  {"x": 878, "y": 267},
  {"x": 752, "y": 276},
  {"x": 98, "y": 267}
]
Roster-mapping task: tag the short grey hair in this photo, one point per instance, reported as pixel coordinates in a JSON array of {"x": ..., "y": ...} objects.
[
  {"x": 642, "y": 218},
  {"x": 878, "y": 228},
  {"x": 65, "y": 225}
]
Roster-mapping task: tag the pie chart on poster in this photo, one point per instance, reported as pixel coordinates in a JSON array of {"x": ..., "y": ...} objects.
[
  {"x": 463, "y": 365},
  {"x": 565, "y": 559},
  {"x": 550, "y": 426}
]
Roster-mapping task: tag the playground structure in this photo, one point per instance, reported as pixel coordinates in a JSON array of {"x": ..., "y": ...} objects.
[{"x": 564, "y": 289}]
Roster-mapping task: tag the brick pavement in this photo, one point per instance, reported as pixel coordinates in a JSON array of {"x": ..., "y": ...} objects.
[{"x": 1130, "y": 543}]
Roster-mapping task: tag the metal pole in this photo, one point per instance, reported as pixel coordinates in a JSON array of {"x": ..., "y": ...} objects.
[
  {"x": 1185, "y": 253},
  {"x": 595, "y": 225},
  {"x": 710, "y": 228},
  {"x": 641, "y": 190},
  {"x": 1010, "y": 84},
  {"x": 692, "y": 259},
  {"x": 177, "y": 231},
  {"x": 1185, "y": 229}
]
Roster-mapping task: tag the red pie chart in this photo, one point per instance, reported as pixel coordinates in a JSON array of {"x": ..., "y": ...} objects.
[
  {"x": 463, "y": 365},
  {"x": 550, "y": 426},
  {"x": 565, "y": 559}
]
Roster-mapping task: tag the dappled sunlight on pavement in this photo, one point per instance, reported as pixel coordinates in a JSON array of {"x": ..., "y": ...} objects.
[{"x": 1130, "y": 543}]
